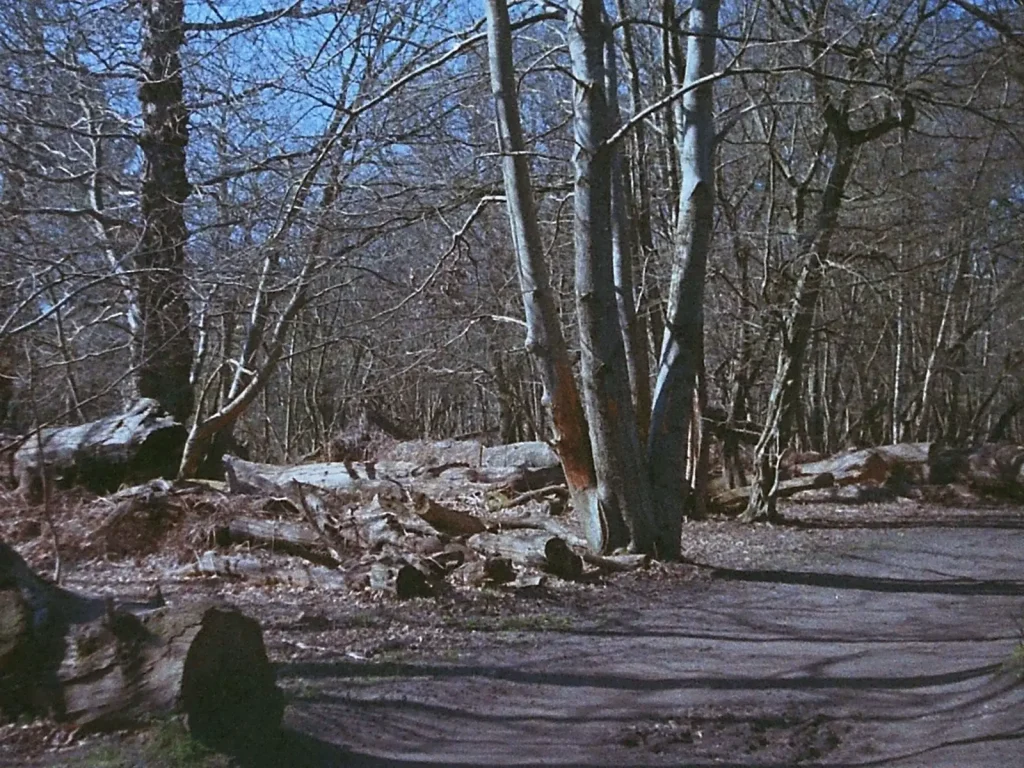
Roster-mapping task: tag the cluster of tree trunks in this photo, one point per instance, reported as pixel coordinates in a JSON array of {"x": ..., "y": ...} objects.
[{"x": 97, "y": 664}]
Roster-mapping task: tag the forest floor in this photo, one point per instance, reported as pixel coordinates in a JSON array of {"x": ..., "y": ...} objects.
[{"x": 870, "y": 635}]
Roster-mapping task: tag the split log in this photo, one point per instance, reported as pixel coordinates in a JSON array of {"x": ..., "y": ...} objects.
[
  {"x": 101, "y": 455},
  {"x": 533, "y": 549},
  {"x": 97, "y": 665},
  {"x": 735, "y": 499}
]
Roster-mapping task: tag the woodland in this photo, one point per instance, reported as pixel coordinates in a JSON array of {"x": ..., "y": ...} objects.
[{"x": 461, "y": 293}]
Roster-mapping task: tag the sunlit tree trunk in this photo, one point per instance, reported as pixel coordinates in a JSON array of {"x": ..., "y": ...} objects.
[
  {"x": 544, "y": 340},
  {"x": 682, "y": 349},
  {"x": 619, "y": 462}
]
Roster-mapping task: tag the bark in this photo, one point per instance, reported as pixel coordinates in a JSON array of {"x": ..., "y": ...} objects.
[
  {"x": 544, "y": 341},
  {"x": 634, "y": 333},
  {"x": 625, "y": 506},
  {"x": 97, "y": 665},
  {"x": 385, "y": 478},
  {"x": 165, "y": 342},
  {"x": 101, "y": 455},
  {"x": 682, "y": 348}
]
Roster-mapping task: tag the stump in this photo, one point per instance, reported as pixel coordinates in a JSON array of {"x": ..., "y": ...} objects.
[{"x": 98, "y": 665}]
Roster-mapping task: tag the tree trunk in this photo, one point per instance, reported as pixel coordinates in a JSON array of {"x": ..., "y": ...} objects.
[
  {"x": 544, "y": 341},
  {"x": 634, "y": 333},
  {"x": 815, "y": 245},
  {"x": 101, "y": 455},
  {"x": 100, "y": 665},
  {"x": 682, "y": 348},
  {"x": 623, "y": 489},
  {"x": 165, "y": 342}
]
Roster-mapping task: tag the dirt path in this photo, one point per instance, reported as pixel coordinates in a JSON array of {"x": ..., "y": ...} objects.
[{"x": 889, "y": 652}]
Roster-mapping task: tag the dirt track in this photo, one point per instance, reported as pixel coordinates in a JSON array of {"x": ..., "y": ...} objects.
[
  {"x": 875, "y": 635},
  {"x": 888, "y": 652}
]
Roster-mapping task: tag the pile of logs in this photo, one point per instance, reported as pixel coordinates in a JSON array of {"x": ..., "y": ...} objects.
[
  {"x": 395, "y": 528},
  {"x": 871, "y": 473}
]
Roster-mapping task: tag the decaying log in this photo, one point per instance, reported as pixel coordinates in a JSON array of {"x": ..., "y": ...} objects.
[
  {"x": 471, "y": 453},
  {"x": 289, "y": 538},
  {"x": 134, "y": 446},
  {"x": 849, "y": 468},
  {"x": 535, "y": 549},
  {"x": 97, "y": 664},
  {"x": 388, "y": 479},
  {"x": 735, "y": 499}
]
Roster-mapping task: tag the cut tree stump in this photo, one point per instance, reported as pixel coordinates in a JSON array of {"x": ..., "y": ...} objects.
[
  {"x": 98, "y": 665},
  {"x": 134, "y": 446},
  {"x": 535, "y": 549}
]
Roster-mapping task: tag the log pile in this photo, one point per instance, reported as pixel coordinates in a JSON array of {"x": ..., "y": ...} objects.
[{"x": 889, "y": 470}]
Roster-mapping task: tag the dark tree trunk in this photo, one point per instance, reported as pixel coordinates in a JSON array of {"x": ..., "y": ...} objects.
[
  {"x": 624, "y": 240},
  {"x": 165, "y": 344}
]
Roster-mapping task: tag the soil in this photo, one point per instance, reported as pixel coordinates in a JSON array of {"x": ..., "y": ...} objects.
[{"x": 872, "y": 635}]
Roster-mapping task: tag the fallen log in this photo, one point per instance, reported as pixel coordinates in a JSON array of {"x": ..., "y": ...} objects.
[
  {"x": 453, "y": 522},
  {"x": 386, "y": 479},
  {"x": 269, "y": 573},
  {"x": 135, "y": 446},
  {"x": 535, "y": 549},
  {"x": 288, "y": 538},
  {"x": 735, "y": 499},
  {"x": 849, "y": 468},
  {"x": 97, "y": 664}
]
